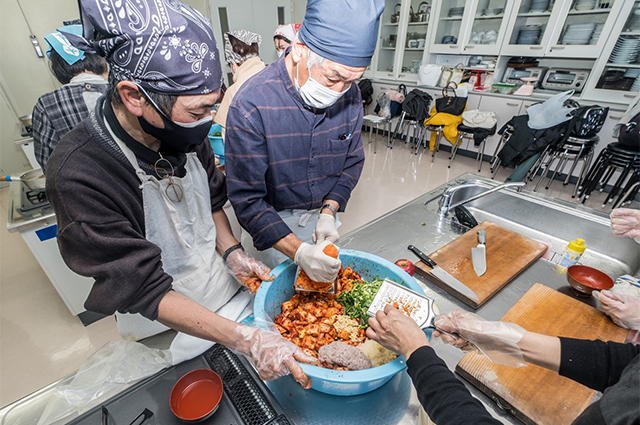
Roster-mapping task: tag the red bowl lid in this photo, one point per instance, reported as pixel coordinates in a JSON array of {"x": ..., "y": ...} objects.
[{"x": 196, "y": 395}]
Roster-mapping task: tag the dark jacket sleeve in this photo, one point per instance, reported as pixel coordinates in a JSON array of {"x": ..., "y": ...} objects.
[
  {"x": 595, "y": 364},
  {"x": 445, "y": 399}
]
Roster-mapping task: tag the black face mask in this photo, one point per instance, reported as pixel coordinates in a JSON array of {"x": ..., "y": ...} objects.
[{"x": 177, "y": 137}]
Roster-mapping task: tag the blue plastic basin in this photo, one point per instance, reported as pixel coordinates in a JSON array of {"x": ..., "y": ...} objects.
[
  {"x": 217, "y": 144},
  {"x": 271, "y": 295}
]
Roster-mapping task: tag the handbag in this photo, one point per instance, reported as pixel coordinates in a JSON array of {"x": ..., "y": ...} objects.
[
  {"x": 453, "y": 105},
  {"x": 451, "y": 75},
  {"x": 429, "y": 75}
]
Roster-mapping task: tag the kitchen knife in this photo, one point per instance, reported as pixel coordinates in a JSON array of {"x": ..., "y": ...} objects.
[
  {"x": 441, "y": 274},
  {"x": 479, "y": 254}
]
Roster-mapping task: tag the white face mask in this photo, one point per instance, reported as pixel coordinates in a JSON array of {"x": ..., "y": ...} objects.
[
  {"x": 316, "y": 95},
  {"x": 280, "y": 53}
]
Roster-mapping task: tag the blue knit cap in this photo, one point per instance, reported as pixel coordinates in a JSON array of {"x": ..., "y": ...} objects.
[{"x": 344, "y": 31}]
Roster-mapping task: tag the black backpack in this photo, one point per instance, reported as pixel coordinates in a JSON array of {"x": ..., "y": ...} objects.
[
  {"x": 366, "y": 89},
  {"x": 588, "y": 121}
]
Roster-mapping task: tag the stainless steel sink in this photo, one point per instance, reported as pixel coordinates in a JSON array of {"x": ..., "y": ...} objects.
[{"x": 552, "y": 221}]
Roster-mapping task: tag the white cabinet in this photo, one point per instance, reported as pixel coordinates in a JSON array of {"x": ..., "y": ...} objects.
[
  {"x": 402, "y": 39},
  {"x": 616, "y": 74},
  {"x": 475, "y": 27},
  {"x": 582, "y": 30},
  {"x": 531, "y": 26}
]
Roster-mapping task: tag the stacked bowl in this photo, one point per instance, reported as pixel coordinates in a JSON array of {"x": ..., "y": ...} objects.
[
  {"x": 529, "y": 34},
  {"x": 585, "y": 5},
  {"x": 596, "y": 34},
  {"x": 626, "y": 50},
  {"x": 538, "y": 6},
  {"x": 456, "y": 12},
  {"x": 578, "y": 33}
]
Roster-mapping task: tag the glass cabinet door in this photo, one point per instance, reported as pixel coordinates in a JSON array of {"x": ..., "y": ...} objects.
[
  {"x": 531, "y": 26},
  {"x": 449, "y": 26},
  {"x": 388, "y": 39},
  {"x": 487, "y": 28},
  {"x": 415, "y": 39},
  {"x": 618, "y": 70},
  {"x": 584, "y": 29}
]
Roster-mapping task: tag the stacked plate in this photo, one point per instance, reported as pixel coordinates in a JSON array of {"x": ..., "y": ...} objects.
[
  {"x": 626, "y": 50},
  {"x": 615, "y": 79},
  {"x": 529, "y": 34},
  {"x": 578, "y": 33},
  {"x": 595, "y": 36},
  {"x": 456, "y": 12},
  {"x": 585, "y": 5},
  {"x": 636, "y": 84},
  {"x": 538, "y": 6}
]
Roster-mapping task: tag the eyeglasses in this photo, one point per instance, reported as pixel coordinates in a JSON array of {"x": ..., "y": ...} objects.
[{"x": 164, "y": 170}]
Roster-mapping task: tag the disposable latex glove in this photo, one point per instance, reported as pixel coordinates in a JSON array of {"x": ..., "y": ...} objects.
[
  {"x": 249, "y": 271},
  {"x": 623, "y": 309},
  {"x": 396, "y": 331},
  {"x": 626, "y": 222},
  {"x": 318, "y": 265},
  {"x": 496, "y": 340},
  {"x": 325, "y": 229},
  {"x": 272, "y": 355}
]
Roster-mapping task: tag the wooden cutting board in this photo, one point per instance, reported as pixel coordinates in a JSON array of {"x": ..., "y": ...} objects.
[
  {"x": 533, "y": 394},
  {"x": 508, "y": 254}
]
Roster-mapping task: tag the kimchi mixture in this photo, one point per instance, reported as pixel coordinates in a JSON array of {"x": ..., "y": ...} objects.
[{"x": 314, "y": 320}]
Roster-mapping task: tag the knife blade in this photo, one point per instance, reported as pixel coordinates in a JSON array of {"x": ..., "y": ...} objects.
[
  {"x": 441, "y": 274},
  {"x": 479, "y": 254}
]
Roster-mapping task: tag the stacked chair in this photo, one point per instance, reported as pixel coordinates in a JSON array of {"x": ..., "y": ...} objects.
[
  {"x": 614, "y": 157},
  {"x": 577, "y": 145}
]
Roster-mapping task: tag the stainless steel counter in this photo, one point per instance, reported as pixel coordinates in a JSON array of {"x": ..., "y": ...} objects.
[{"x": 395, "y": 402}]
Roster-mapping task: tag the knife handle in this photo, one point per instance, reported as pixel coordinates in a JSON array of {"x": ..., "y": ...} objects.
[
  {"x": 423, "y": 256},
  {"x": 482, "y": 236}
]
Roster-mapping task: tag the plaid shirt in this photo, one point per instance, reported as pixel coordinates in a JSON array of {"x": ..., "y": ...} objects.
[
  {"x": 58, "y": 112},
  {"x": 281, "y": 154}
]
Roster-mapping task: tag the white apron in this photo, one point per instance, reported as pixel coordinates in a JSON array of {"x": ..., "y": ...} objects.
[
  {"x": 301, "y": 222},
  {"x": 186, "y": 234}
]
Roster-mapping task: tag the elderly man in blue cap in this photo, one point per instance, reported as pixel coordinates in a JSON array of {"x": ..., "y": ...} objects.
[
  {"x": 293, "y": 149},
  {"x": 138, "y": 198}
]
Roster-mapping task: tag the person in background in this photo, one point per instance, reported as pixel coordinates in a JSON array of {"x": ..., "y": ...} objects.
[
  {"x": 84, "y": 79},
  {"x": 609, "y": 367},
  {"x": 293, "y": 148},
  {"x": 242, "y": 51},
  {"x": 283, "y": 37},
  {"x": 138, "y": 198}
]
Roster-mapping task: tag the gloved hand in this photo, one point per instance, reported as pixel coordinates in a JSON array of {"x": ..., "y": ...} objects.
[
  {"x": 272, "y": 355},
  {"x": 623, "y": 309},
  {"x": 496, "y": 340},
  {"x": 249, "y": 271},
  {"x": 626, "y": 222},
  {"x": 318, "y": 265},
  {"x": 325, "y": 229}
]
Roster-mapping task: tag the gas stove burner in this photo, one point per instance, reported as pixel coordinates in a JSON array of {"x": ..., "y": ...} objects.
[
  {"x": 33, "y": 199},
  {"x": 36, "y": 196}
]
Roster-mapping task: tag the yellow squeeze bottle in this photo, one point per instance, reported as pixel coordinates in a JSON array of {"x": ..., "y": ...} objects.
[{"x": 572, "y": 254}]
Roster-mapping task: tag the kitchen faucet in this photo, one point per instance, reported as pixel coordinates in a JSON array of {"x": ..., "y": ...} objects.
[{"x": 445, "y": 202}]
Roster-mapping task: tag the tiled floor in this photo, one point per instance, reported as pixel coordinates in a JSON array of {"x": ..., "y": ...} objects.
[{"x": 40, "y": 341}]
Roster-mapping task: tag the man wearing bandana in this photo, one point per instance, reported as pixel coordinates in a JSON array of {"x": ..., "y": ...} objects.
[
  {"x": 293, "y": 148},
  {"x": 138, "y": 198}
]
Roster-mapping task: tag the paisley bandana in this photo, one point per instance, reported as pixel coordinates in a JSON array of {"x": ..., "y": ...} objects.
[
  {"x": 164, "y": 46},
  {"x": 247, "y": 37}
]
